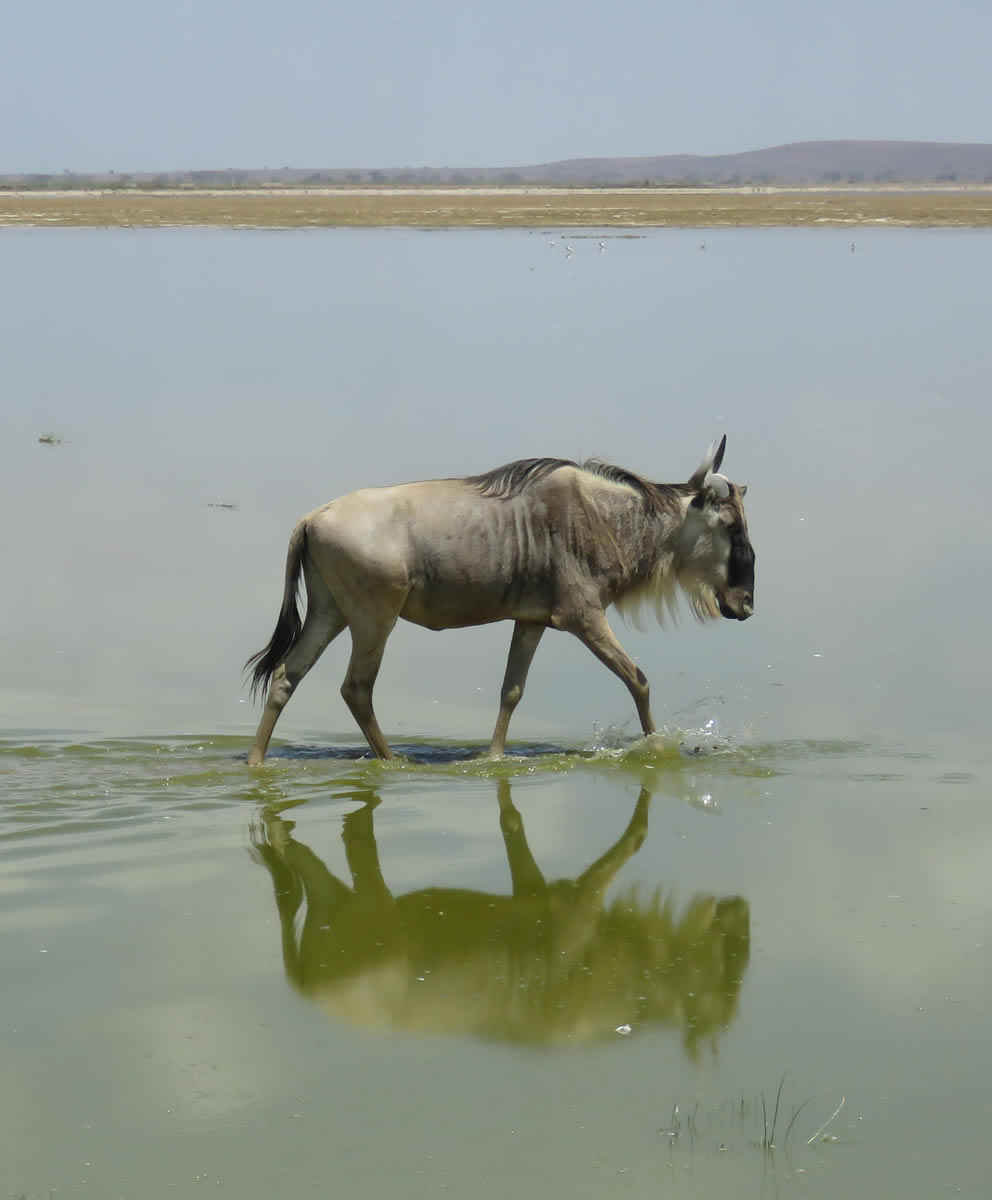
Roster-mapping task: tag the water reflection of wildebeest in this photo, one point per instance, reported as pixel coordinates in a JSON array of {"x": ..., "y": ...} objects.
[
  {"x": 548, "y": 963},
  {"x": 542, "y": 542}
]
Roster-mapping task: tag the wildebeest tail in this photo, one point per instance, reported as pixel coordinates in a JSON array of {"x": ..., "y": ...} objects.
[{"x": 288, "y": 626}]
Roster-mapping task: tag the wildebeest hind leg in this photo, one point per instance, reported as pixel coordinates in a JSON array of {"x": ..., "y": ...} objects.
[
  {"x": 596, "y": 633},
  {"x": 368, "y": 640},
  {"x": 321, "y": 626}
]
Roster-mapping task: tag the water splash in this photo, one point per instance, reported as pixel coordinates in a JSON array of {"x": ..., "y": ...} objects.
[
  {"x": 706, "y": 739},
  {"x": 690, "y": 732}
]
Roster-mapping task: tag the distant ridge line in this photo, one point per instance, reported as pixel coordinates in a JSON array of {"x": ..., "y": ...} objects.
[{"x": 793, "y": 163}]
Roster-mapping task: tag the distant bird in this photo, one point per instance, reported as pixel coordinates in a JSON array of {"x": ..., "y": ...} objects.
[
  {"x": 852, "y": 247},
  {"x": 569, "y": 251},
  {"x": 702, "y": 245},
  {"x": 602, "y": 245}
]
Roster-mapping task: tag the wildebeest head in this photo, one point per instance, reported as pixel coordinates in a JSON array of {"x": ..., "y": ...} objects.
[{"x": 717, "y": 556}]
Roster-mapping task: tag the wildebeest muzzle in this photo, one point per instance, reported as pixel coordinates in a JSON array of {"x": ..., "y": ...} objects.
[{"x": 736, "y": 604}]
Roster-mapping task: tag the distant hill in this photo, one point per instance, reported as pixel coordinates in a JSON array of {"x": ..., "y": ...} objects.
[
  {"x": 796, "y": 163},
  {"x": 799, "y": 163}
]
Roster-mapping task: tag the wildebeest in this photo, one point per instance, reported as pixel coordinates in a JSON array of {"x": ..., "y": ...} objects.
[
  {"x": 553, "y": 962},
  {"x": 542, "y": 542}
]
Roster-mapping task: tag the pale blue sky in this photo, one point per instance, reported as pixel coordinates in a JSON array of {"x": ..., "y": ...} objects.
[{"x": 121, "y": 85}]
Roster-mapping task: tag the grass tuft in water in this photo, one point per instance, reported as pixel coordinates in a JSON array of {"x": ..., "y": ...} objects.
[{"x": 750, "y": 1120}]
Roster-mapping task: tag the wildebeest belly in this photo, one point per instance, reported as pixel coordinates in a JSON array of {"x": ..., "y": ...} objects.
[
  {"x": 481, "y": 565},
  {"x": 456, "y": 603}
]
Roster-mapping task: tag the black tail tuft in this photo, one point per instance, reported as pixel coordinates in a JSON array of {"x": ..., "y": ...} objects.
[
  {"x": 282, "y": 641},
  {"x": 287, "y": 630}
]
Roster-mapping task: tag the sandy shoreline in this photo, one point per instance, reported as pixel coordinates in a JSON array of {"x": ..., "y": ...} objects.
[{"x": 520, "y": 207}]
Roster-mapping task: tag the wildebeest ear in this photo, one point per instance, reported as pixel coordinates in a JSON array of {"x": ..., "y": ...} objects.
[
  {"x": 742, "y": 489},
  {"x": 712, "y": 461}
]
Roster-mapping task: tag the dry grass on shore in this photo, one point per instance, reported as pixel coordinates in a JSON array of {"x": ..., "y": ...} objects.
[{"x": 522, "y": 208}]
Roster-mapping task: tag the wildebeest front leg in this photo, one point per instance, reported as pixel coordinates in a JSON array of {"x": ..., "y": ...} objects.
[
  {"x": 526, "y": 636},
  {"x": 594, "y": 631},
  {"x": 598, "y": 876},
  {"x": 525, "y": 874}
]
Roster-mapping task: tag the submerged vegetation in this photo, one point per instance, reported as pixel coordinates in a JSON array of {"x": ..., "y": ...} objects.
[{"x": 525, "y": 207}]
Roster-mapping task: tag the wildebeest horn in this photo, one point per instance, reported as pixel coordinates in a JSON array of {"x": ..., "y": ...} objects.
[
  {"x": 710, "y": 464},
  {"x": 719, "y": 485}
]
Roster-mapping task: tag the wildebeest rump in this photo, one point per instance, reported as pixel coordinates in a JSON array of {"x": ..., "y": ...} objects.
[{"x": 543, "y": 542}]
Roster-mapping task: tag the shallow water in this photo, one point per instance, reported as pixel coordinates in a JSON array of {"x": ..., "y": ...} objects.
[
  {"x": 609, "y": 966},
  {"x": 344, "y": 972}
]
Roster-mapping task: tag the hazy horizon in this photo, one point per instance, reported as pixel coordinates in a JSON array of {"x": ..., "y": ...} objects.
[
  {"x": 827, "y": 149},
  {"x": 215, "y": 84}
]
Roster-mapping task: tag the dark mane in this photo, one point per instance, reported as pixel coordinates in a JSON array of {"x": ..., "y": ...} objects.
[
  {"x": 503, "y": 483},
  {"x": 621, "y": 475},
  {"x": 510, "y": 480}
]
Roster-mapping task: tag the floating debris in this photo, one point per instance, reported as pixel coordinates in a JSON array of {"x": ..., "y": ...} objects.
[
  {"x": 624, "y": 1029},
  {"x": 49, "y": 439},
  {"x": 228, "y": 504}
]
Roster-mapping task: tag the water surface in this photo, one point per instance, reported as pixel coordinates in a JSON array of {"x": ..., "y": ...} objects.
[{"x": 594, "y": 970}]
